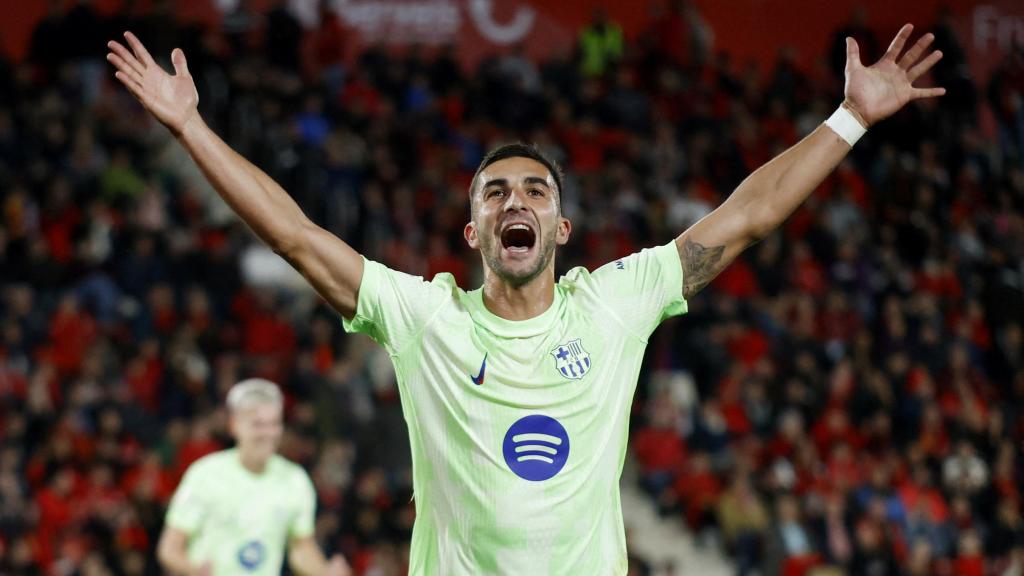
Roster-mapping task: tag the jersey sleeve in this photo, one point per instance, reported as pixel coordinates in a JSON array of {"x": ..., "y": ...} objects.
[
  {"x": 393, "y": 307},
  {"x": 188, "y": 504},
  {"x": 303, "y": 522},
  {"x": 644, "y": 288}
]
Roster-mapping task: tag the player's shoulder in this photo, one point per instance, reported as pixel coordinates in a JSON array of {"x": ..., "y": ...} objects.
[
  {"x": 435, "y": 293},
  {"x": 285, "y": 466},
  {"x": 212, "y": 463},
  {"x": 445, "y": 282},
  {"x": 442, "y": 281},
  {"x": 580, "y": 279},
  {"x": 638, "y": 262},
  {"x": 291, "y": 480},
  {"x": 619, "y": 274},
  {"x": 450, "y": 303},
  {"x": 580, "y": 288},
  {"x": 578, "y": 276},
  {"x": 287, "y": 470}
]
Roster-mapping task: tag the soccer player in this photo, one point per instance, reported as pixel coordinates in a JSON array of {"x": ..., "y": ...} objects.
[
  {"x": 235, "y": 509},
  {"x": 517, "y": 394}
]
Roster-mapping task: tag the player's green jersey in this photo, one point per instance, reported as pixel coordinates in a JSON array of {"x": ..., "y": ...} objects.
[
  {"x": 241, "y": 521},
  {"x": 518, "y": 428}
]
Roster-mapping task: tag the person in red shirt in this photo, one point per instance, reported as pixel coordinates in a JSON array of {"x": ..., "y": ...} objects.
[
  {"x": 326, "y": 49},
  {"x": 969, "y": 560},
  {"x": 200, "y": 443},
  {"x": 659, "y": 446}
]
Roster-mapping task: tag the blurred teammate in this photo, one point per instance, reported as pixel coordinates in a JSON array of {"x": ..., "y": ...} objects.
[
  {"x": 236, "y": 510},
  {"x": 517, "y": 394}
]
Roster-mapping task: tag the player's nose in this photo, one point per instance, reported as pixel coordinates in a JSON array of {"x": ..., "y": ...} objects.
[{"x": 516, "y": 198}]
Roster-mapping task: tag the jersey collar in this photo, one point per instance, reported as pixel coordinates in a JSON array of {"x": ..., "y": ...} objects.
[{"x": 514, "y": 328}]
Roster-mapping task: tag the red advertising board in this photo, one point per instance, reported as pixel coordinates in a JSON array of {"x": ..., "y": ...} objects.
[{"x": 751, "y": 30}]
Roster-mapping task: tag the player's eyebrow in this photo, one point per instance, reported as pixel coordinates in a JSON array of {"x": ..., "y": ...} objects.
[
  {"x": 536, "y": 180},
  {"x": 503, "y": 182}
]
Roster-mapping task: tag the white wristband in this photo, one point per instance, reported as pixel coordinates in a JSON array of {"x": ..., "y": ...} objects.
[{"x": 845, "y": 125}]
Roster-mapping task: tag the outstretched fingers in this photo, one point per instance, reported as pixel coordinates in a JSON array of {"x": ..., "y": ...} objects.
[
  {"x": 927, "y": 92},
  {"x": 132, "y": 85},
  {"x": 897, "y": 43},
  {"x": 125, "y": 68},
  {"x": 140, "y": 51},
  {"x": 912, "y": 55},
  {"x": 125, "y": 56},
  {"x": 923, "y": 66}
]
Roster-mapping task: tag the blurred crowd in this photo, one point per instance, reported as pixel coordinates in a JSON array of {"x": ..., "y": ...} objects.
[{"x": 848, "y": 397}]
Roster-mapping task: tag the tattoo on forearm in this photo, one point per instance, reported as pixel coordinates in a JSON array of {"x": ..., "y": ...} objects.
[{"x": 700, "y": 265}]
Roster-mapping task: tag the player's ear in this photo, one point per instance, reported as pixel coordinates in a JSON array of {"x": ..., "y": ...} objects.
[
  {"x": 469, "y": 232},
  {"x": 562, "y": 231}
]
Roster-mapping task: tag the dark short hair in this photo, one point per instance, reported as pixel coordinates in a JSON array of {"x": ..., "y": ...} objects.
[{"x": 520, "y": 150}]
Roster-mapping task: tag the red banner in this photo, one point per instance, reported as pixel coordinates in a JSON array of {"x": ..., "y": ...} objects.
[{"x": 751, "y": 30}]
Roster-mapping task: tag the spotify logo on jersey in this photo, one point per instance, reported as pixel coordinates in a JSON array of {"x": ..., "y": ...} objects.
[
  {"x": 252, "y": 555},
  {"x": 536, "y": 447}
]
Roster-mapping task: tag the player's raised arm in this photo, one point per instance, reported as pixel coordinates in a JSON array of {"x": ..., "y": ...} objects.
[
  {"x": 769, "y": 195},
  {"x": 328, "y": 263}
]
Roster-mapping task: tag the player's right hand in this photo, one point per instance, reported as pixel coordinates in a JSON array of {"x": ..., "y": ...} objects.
[{"x": 173, "y": 100}]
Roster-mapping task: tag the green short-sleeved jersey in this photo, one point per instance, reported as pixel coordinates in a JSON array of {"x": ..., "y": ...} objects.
[
  {"x": 241, "y": 521},
  {"x": 518, "y": 428}
]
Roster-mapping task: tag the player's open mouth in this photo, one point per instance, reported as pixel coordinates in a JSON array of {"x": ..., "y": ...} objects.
[{"x": 518, "y": 238}]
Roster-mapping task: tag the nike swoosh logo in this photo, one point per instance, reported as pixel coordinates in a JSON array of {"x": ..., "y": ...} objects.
[{"x": 479, "y": 378}]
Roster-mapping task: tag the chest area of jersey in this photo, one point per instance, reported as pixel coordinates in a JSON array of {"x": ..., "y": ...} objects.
[
  {"x": 249, "y": 508},
  {"x": 575, "y": 364},
  {"x": 530, "y": 406},
  {"x": 536, "y": 362}
]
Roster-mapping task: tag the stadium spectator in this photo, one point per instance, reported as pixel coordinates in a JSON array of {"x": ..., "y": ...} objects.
[{"x": 602, "y": 45}]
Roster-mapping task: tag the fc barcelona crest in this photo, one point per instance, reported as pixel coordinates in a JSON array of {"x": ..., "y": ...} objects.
[{"x": 571, "y": 360}]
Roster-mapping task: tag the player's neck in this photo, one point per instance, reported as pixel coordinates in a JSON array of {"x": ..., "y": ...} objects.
[
  {"x": 519, "y": 302},
  {"x": 253, "y": 464}
]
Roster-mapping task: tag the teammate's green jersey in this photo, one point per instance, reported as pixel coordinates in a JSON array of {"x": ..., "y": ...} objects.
[
  {"x": 518, "y": 428},
  {"x": 241, "y": 521}
]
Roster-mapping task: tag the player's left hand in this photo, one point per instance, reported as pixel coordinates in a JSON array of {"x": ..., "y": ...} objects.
[
  {"x": 875, "y": 92},
  {"x": 338, "y": 566}
]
